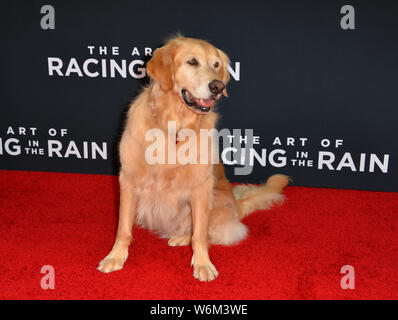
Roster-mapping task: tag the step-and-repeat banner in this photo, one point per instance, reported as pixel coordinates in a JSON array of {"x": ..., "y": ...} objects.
[{"x": 313, "y": 83}]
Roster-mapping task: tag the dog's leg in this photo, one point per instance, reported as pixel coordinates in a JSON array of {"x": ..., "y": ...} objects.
[
  {"x": 178, "y": 241},
  {"x": 204, "y": 270},
  {"x": 115, "y": 259}
]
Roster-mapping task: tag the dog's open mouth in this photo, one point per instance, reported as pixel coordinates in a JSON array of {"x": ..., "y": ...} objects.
[{"x": 199, "y": 105}]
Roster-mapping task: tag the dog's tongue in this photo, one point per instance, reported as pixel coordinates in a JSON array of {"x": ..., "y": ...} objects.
[{"x": 204, "y": 102}]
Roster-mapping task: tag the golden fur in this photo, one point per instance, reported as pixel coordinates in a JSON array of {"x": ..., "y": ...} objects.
[{"x": 192, "y": 203}]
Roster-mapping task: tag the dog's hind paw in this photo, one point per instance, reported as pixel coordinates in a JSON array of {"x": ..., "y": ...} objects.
[{"x": 180, "y": 241}]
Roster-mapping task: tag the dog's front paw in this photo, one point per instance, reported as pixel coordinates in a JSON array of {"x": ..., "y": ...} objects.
[
  {"x": 204, "y": 271},
  {"x": 112, "y": 262},
  {"x": 110, "y": 265}
]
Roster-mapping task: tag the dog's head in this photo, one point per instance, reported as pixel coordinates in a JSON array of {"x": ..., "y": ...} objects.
[{"x": 194, "y": 69}]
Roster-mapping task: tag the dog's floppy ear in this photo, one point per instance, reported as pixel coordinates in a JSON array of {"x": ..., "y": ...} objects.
[
  {"x": 159, "y": 68},
  {"x": 224, "y": 70}
]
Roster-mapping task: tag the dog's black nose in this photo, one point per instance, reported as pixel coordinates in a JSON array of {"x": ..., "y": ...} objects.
[{"x": 216, "y": 86}]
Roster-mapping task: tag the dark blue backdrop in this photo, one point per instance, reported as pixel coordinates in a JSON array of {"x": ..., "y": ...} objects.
[{"x": 301, "y": 76}]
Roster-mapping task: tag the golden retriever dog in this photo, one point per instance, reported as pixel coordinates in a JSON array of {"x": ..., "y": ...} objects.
[{"x": 189, "y": 204}]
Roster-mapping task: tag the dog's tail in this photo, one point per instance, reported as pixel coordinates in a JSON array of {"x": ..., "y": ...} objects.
[{"x": 251, "y": 197}]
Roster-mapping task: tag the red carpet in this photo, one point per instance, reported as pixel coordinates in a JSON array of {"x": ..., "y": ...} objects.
[{"x": 292, "y": 252}]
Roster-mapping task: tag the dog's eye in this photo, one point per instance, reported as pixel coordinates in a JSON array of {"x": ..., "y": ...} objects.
[
  {"x": 216, "y": 65},
  {"x": 193, "y": 62}
]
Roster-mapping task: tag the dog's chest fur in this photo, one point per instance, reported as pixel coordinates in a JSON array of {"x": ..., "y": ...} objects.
[
  {"x": 163, "y": 191},
  {"x": 168, "y": 212},
  {"x": 164, "y": 197}
]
